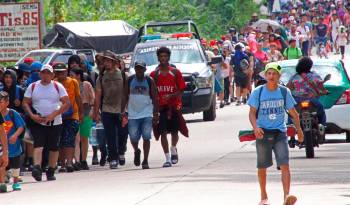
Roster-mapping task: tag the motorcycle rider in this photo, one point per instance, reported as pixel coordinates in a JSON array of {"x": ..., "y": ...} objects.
[{"x": 308, "y": 85}]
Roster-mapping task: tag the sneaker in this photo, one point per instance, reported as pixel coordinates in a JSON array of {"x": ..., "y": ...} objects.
[
  {"x": 175, "y": 158},
  {"x": 238, "y": 103},
  {"x": 19, "y": 179},
  {"x": 95, "y": 161},
  {"x": 70, "y": 168},
  {"x": 222, "y": 105},
  {"x": 103, "y": 161},
  {"x": 167, "y": 164},
  {"x": 227, "y": 103},
  {"x": 232, "y": 100},
  {"x": 121, "y": 160},
  {"x": 84, "y": 165},
  {"x": 50, "y": 174},
  {"x": 16, "y": 186},
  {"x": 3, "y": 188},
  {"x": 77, "y": 166},
  {"x": 37, "y": 173},
  {"x": 137, "y": 157},
  {"x": 244, "y": 101},
  {"x": 113, "y": 164},
  {"x": 145, "y": 164},
  {"x": 62, "y": 170}
]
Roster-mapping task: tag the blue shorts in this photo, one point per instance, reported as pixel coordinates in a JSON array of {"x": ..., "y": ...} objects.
[
  {"x": 278, "y": 144},
  {"x": 70, "y": 130},
  {"x": 140, "y": 127}
]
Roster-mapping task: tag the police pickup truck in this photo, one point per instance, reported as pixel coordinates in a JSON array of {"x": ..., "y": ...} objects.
[{"x": 188, "y": 55}]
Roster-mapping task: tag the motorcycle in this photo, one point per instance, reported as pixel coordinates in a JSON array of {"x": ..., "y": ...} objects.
[{"x": 314, "y": 133}]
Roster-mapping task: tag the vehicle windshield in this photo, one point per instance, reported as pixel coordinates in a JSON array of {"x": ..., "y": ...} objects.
[
  {"x": 43, "y": 57},
  {"x": 182, "y": 53},
  {"x": 322, "y": 70},
  {"x": 62, "y": 58}
]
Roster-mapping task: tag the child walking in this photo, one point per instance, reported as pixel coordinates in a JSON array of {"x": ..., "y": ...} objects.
[{"x": 14, "y": 128}]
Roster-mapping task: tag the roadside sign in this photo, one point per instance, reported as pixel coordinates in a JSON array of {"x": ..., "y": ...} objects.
[{"x": 19, "y": 30}]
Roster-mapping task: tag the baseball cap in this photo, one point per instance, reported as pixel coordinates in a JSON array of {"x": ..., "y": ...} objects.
[
  {"x": 36, "y": 65},
  {"x": 58, "y": 67},
  {"x": 274, "y": 65},
  {"x": 140, "y": 64},
  {"x": 28, "y": 60},
  {"x": 46, "y": 67}
]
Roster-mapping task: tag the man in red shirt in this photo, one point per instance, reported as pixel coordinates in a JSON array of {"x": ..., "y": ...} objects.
[{"x": 170, "y": 85}]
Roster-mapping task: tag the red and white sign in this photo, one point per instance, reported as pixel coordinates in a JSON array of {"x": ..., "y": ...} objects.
[{"x": 19, "y": 30}]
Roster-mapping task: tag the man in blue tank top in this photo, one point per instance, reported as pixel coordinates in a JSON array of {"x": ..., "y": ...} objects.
[{"x": 143, "y": 111}]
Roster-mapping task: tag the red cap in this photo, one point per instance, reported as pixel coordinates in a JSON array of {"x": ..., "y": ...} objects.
[
  {"x": 28, "y": 60},
  {"x": 212, "y": 43}
]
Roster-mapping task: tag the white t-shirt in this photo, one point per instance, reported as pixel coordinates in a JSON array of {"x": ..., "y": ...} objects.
[
  {"x": 226, "y": 72},
  {"x": 46, "y": 98},
  {"x": 304, "y": 31},
  {"x": 335, "y": 25}
]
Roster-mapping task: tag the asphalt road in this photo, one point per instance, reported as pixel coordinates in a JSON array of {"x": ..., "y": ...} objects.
[{"x": 214, "y": 168}]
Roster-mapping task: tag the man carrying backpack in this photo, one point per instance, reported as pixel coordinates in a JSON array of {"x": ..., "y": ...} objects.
[
  {"x": 268, "y": 104},
  {"x": 170, "y": 84},
  {"x": 44, "y": 102},
  {"x": 109, "y": 99},
  {"x": 71, "y": 118},
  {"x": 142, "y": 108}
]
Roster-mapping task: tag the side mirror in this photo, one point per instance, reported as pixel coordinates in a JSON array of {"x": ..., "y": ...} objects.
[{"x": 327, "y": 77}]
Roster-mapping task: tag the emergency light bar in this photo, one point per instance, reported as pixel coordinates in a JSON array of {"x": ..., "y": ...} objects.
[{"x": 166, "y": 36}]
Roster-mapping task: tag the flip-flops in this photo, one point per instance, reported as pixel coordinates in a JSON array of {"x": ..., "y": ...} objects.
[
  {"x": 290, "y": 200},
  {"x": 264, "y": 202}
]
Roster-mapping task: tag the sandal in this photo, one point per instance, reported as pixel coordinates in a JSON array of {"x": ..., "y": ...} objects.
[
  {"x": 290, "y": 200},
  {"x": 264, "y": 202}
]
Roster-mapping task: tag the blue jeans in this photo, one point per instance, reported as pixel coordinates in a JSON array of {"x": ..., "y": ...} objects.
[
  {"x": 112, "y": 124},
  {"x": 140, "y": 128},
  {"x": 320, "y": 39},
  {"x": 305, "y": 48},
  {"x": 278, "y": 144},
  {"x": 321, "y": 114}
]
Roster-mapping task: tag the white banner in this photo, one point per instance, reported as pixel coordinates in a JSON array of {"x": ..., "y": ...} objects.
[{"x": 19, "y": 30}]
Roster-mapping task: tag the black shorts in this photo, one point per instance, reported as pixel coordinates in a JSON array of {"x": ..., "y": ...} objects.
[
  {"x": 241, "y": 81},
  {"x": 46, "y": 136},
  {"x": 168, "y": 122},
  {"x": 14, "y": 163}
]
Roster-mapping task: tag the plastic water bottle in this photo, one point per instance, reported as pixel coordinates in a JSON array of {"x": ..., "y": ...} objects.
[{"x": 93, "y": 139}]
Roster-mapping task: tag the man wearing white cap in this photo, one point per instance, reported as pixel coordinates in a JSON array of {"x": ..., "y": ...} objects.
[{"x": 44, "y": 102}]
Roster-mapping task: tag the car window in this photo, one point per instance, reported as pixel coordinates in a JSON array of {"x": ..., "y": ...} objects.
[
  {"x": 322, "y": 70},
  {"x": 61, "y": 58},
  {"x": 182, "y": 53},
  {"x": 43, "y": 57}
]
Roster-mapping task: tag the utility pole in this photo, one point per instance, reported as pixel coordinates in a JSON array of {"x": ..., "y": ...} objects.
[{"x": 42, "y": 21}]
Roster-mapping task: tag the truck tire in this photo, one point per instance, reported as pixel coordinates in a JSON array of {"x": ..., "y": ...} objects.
[
  {"x": 309, "y": 145},
  {"x": 347, "y": 136},
  {"x": 210, "y": 115}
]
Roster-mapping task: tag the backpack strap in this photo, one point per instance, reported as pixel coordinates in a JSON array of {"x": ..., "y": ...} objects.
[
  {"x": 259, "y": 97},
  {"x": 56, "y": 87},
  {"x": 33, "y": 87},
  {"x": 284, "y": 94},
  {"x": 54, "y": 84},
  {"x": 149, "y": 82},
  {"x": 12, "y": 116}
]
